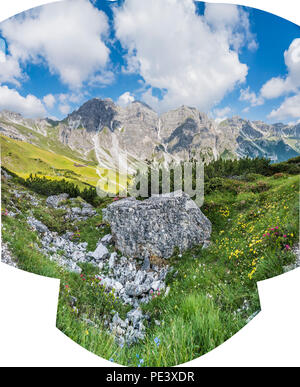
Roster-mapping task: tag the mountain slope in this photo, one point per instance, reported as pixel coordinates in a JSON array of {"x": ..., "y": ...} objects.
[{"x": 105, "y": 134}]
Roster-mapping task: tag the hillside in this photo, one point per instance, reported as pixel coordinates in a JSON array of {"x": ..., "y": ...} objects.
[{"x": 210, "y": 292}]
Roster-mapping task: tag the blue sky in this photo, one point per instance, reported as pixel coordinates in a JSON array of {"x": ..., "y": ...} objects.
[{"x": 223, "y": 59}]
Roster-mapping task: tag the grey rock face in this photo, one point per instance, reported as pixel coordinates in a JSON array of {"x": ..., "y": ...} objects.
[
  {"x": 55, "y": 200},
  {"x": 37, "y": 225},
  {"x": 154, "y": 227},
  {"x": 139, "y": 131}
]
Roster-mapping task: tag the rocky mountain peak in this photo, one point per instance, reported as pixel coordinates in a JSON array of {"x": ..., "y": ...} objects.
[{"x": 93, "y": 115}]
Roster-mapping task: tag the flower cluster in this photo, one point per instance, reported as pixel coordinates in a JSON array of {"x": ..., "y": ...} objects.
[
  {"x": 155, "y": 293},
  {"x": 75, "y": 235},
  {"x": 278, "y": 238},
  {"x": 4, "y": 212},
  {"x": 225, "y": 212}
]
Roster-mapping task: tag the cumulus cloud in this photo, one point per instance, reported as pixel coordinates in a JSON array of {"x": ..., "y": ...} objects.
[
  {"x": 279, "y": 86},
  {"x": 221, "y": 114},
  {"x": 233, "y": 22},
  {"x": 64, "y": 108},
  {"x": 250, "y": 96},
  {"x": 49, "y": 101},
  {"x": 125, "y": 99},
  {"x": 290, "y": 108},
  {"x": 185, "y": 55},
  {"x": 67, "y": 36},
  {"x": 28, "y": 106},
  {"x": 9, "y": 66}
]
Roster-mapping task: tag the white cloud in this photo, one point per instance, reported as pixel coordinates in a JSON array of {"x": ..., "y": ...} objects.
[
  {"x": 28, "y": 106},
  {"x": 221, "y": 114},
  {"x": 9, "y": 69},
  {"x": 279, "y": 86},
  {"x": 290, "y": 108},
  {"x": 67, "y": 36},
  {"x": 125, "y": 99},
  {"x": 233, "y": 23},
  {"x": 64, "y": 108},
  {"x": 247, "y": 95},
  {"x": 180, "y": 52},
  {"x": 49, "y": 101}
]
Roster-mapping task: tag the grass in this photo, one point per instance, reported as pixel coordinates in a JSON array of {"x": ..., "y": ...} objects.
[
  {"x": 213, "y": 292},
  {"x": 24, "y": 159}
]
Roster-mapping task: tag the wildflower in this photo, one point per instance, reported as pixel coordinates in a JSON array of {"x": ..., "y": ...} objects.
[
  {"x": 111, "y": 359},
  {"x": 157, "y": 341},
  {"x": 287, "y": 247},
  {"x": 86, "y": 332}
]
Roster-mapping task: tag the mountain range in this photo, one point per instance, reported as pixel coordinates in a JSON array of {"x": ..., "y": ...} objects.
[{"x": 100, "y": 131}]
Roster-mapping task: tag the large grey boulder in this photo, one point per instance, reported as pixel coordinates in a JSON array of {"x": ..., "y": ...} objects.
[{"x": 155, "y": 226}]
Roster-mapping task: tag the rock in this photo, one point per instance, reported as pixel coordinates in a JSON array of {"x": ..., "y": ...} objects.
[
  {"x": 74, "y": 267},
  {"x": 140, "y": 277},
  {"x": 55, "y": 200},
  {"x": 100, "y": 253},
  {"x": 111, "y": 261},
  {"x": 132, "y": 289},
  {"x": 146, "y": 264},
  {"x": 135, "y": 315},
  {"x": 156, "y": 285},
  {"x": 6, "y": 255},
  {"x": 5, "y": 174},
  {"x": 78, "y": 256},
  {"x": 117, "y": 286},
  {"x": 88, "y": 210},
  {"x": 154, "y": 227},
  {"x": 167, "y": 291},
  {"x": 37, "y": 225},
  {"x": 106, "y": 239}
]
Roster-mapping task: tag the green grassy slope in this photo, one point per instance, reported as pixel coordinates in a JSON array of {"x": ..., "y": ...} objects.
[{"x": 23, "y": 159}]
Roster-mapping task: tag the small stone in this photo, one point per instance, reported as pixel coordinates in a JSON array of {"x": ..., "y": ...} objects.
[
  {"x": 100, "y": 253},
  {"x": 111, "y": 261},
  {"x": 156, "y": 285},
  {"x": 106, "y": 239}
]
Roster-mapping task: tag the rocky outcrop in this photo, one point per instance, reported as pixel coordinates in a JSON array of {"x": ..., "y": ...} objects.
[
  {"x": 154, "y": 227},
  {"x": 55, "y": 200},
  {"x": 79, "y": 210}
]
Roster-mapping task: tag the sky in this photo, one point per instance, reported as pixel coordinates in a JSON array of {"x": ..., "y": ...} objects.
[{"x": 225, "y": 60}]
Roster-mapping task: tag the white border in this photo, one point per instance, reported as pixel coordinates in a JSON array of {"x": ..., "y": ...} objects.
[{"x": 28, "y": 336}]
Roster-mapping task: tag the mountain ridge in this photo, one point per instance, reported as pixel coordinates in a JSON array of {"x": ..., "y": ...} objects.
[{"x": 184, "y": 133}]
